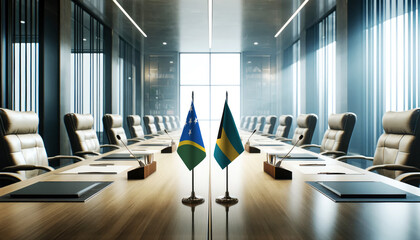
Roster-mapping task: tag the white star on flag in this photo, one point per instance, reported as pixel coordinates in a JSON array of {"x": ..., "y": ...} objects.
[
  {"x": 190, "y": 120},
  {"x": 196, "y": 120},
  {"x": 189, "y": 133}
]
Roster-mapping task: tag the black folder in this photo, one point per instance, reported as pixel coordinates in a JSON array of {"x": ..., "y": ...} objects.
[
  {"x": 366, "y": 189},
  {"x": 54, "y": 190}
]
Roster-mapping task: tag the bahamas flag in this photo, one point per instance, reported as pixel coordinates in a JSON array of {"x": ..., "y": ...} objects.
[
  {"x": 191, "y": 146},
  {"x": 228, "y": 143}
]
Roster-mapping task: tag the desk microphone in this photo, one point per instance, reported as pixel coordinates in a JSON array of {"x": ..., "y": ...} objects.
[
  {"x": 285, "y": 156},
  {"x": 166, "y": 131},
  {"x": 134, "y": 156},
  {"x": 251, "y": 135}
]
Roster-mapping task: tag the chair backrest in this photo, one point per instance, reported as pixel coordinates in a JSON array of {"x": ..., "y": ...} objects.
[
  {"x": 149, "y": 124},
  {"x": 242, "y": 122},
  {"x": 159, "y": 123},
  {"x": 247, "y": 122},
  {"x": 20, "y": 142},
  {"x": 177, "y": 122},
  {"x": 167, "y": 123},
  {"x": 270, "y": 123},
  {"x": 337, "y": 137},
  {"x": 400, "y": 143},
  {"x": 306, "y": 124},
  {"x": 134, "y": 126},
  {"x": 260, "y": 123},
  {"x": 81, "y": 134},
  {"x": 253, "y": 123},
  {"x": 173, "y": 122},
  {"x": 285, "y": 123},
  {"x": 113, "y": 126}
]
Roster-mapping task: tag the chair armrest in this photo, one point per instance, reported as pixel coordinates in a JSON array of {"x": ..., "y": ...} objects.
[
  {"x": 394, "y": 167},
  {"x": 284, "y": 139},
  {"x": 17, "y": 168},
  {"x": 343, "y": 158},
  {"x": 134, "y": 140},
  {"x": 336, "y": 153},
  {"x": 137, "y": 138},
  {"x": 110, "y": 146},
  {"x": 59, "y": 157},
  {"x": 83, "y": 153},
  {"x": 10, "y": 177},
  {"x": 310, "y": 145},
  {"x": 407, "y": 177}
]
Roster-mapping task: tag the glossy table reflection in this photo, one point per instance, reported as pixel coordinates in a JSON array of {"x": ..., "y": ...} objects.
[
  {"x": 267, "y": 208},
  {"x": 291, "y": 209}
]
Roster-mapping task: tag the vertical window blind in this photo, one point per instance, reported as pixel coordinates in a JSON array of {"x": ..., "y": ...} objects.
[
  {"x": 129, "y": 70},
  {"x": 392, "y": 60},
  {"x": 87, "y": 66},
  {"x": 326, "y": 70},
  {"x": 291, "y": 84},
  {"x": 23, "y": 55}
]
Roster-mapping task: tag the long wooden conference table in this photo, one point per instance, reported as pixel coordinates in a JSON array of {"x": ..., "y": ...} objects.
[{"x": 152, "y": 208}]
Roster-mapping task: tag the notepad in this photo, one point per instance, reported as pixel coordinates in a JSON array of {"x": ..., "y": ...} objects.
[
  {"x": 328, "y": 169},
  {"x": 367, "y": 189},
  {"x": 106, "y": 169},
  {"x": 54, "y": 190},
  {"x": 297, "y": 156},
  {"x": 126, "y": 154}
]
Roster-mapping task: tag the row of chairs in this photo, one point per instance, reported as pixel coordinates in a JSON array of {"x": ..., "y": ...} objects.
[
  {"x": 397, "y": 153},
  {"x": 155, "y": 124},
  {"x": 22, "y": 150}
]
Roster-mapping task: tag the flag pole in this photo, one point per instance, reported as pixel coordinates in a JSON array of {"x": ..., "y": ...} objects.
[
  {"x": 193, "y": 199},
  {"x": 227, "y": 199}
]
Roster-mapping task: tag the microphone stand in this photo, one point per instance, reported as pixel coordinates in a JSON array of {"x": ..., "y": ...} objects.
[
  {"x": 277, "y": 172},
  {"x": 248, "y": 146},
  {"x": 277, "y": 164},
  {"x": 142, "y": 164},
  {"x": 144, "y": 170}
]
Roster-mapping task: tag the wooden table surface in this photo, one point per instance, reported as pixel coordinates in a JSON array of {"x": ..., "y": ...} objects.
[{"x": 152, "y": 208}]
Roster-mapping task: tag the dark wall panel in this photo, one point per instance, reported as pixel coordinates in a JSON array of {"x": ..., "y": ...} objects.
[{"x": 49, "y": 109}]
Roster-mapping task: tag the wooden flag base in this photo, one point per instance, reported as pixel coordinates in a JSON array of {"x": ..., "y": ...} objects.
[
  {"x": 251, "y": 149},
  {"x": 142, "y": 172},
  {"x": 169, "y": 149},
  {"x": 277, "y": 172}
]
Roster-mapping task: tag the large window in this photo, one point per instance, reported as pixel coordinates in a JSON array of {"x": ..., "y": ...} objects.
[
  {"x": 392, "y": 60},
  {"x": 325, "y": 70},
  {"x": 87, "y": 66},
  {"x": 129, "y": 71},
  {"x": 291, "y": 82},
  {"x": 23, "y": 55},
  {"x": 210, "y": 76}
]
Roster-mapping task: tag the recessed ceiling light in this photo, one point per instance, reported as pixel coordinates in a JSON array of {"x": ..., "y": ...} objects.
[
  {"x": 255, "y": 43},
  {"x": 84, "y": 39},
  {"x": 249, "y": 62},
  {"x": 165, "y": 43},
  {"x": 129, "y": 18},
  {"x": 291, "y": 18},
  {"x": 171, "y": 62},
  {"x": 22, "y": 22}
]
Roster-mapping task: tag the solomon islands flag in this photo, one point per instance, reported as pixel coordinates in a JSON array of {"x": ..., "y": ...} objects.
[
  {"x": 228, "y": 143},
  {"x": 191, "y": 147}
]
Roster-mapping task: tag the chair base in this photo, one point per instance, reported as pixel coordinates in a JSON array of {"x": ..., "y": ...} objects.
[
  {"x": 277, "y": 172},
  {"x": 142, "y": 172}
]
